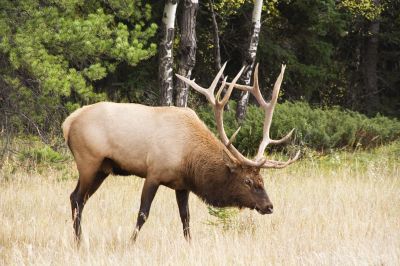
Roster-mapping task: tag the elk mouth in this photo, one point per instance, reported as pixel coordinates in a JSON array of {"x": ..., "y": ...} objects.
[{"x": 267, "y": 210}]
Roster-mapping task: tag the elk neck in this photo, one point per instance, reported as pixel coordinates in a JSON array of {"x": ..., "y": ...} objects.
[{"x": 205, "y": 171}]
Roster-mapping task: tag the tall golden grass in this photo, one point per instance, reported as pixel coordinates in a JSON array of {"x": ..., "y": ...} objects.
[{"x": 339, "y": 210}]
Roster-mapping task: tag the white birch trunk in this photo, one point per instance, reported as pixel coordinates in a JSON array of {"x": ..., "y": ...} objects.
[
  {"x": 165, "y": 70},
  {"x": 249, "y": 58}
]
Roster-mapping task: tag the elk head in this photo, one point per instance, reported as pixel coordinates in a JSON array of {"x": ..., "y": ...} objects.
[{"x": 246, "y": 186}]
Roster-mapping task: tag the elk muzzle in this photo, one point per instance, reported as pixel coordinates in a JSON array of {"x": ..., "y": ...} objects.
[{"x": 265, "y": 208}]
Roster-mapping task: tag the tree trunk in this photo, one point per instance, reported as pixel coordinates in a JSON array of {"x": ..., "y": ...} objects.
[
  {"x": 217, "y": 52},
  {"x": 187, "y": 49},
  {"x": 165, "y": 69},
  {"x": 370, "y": 62},
  {"x": 217, "y": 49},
  {"x": 249, "y": 59}
]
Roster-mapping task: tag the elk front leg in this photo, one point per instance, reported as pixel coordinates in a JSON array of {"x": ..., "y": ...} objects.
[
  {"x": 148, "y": 193},
  {"x": 182, "y": 197}
]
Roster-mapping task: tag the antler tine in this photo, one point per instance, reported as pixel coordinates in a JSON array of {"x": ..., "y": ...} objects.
[
  {"x": 216, "y": 79},
  {"x": 209, "y": 93},
  {"x": 198, "y": 88},
  {"x": 256, "y": 89},
  {"x": 221, "y": 88},
  {"x": 228, "y": 93},
  {"x": 278, "y": 164},
  {"x": 269, "y": 112},
  {"x": 219, "y": 109},
  {"x": 284, "y": 139},
  {"x": 232, "y": 139}
]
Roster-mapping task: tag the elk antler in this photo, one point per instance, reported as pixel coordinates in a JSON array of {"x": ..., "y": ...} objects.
[
  {"x": 268, "y": 112},
  {"x": 218, "y": 107}
]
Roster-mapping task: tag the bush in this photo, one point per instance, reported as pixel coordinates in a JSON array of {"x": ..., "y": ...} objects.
[
  {"x": 223, "y": 217},
  {"x": 44, "y": 154},
  {"x": 316, "y": 128}
]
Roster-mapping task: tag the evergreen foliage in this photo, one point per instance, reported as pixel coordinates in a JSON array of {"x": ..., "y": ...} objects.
[
  {"x": 324, "y": 45},
  {"x": 53, "y": 52},
  {"x": 58, "y": 55},
  {"x": 315, "y": 128}
]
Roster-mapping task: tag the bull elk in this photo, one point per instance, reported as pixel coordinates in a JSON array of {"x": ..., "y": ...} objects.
[{"x": 170, "y": 146}]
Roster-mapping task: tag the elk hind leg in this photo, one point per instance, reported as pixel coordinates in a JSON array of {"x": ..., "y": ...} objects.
[{"x": 89, "y": 181}]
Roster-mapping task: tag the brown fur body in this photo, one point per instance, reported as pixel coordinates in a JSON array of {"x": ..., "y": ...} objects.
[{"x": 166, "y": 145}]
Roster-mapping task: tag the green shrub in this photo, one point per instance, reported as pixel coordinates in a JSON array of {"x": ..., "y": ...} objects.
[
  {"x": 223, "y": 217},
  {"x": 43, "y": 154},
  {"x": 316, "y": 128}
]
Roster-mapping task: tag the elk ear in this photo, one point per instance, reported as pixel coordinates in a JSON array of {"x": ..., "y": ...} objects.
[{"x": 230, "y": 161}]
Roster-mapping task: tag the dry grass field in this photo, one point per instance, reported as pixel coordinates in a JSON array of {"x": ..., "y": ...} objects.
[{"x": 342, "y": 209}]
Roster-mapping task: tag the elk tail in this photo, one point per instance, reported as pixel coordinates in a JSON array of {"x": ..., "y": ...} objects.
[{"x": 66, "y": 125}]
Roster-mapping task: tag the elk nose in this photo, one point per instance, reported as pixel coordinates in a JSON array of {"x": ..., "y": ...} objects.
[{"x": 269, "y": 209}]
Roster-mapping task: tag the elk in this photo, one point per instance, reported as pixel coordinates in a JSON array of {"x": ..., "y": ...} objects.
[{"x": 170, "y": 146}]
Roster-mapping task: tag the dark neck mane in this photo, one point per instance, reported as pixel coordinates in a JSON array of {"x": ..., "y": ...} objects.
[{"x": 206, "y": 172}]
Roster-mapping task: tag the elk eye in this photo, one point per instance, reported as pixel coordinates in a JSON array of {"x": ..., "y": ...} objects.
[
  {"x": 258, "y": 189},
  {"x": 248, "y": 182}
]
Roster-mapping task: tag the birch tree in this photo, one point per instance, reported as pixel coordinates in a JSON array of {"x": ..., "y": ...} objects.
[
  {"x": 165, "y": 67},
  {"x": 249, "y": 58},
  {"x": 187, "y": 49}
]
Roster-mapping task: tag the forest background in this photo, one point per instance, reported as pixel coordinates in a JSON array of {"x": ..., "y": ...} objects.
[{"x": 341, "y": 87}]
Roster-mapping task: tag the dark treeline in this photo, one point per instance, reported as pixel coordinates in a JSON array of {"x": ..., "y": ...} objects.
[
  {"x": 337, "y": 52},
  {"x": 58, "y": 55}
]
